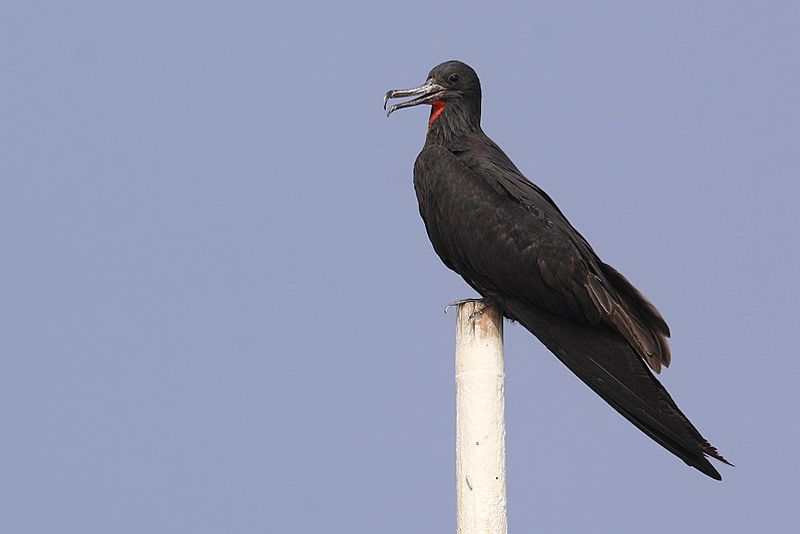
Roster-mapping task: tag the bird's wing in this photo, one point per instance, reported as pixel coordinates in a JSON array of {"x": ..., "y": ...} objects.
[
  {"x": 497, "y": 165},
  {"x": 517, "y": 251},
  {"x": 522, "y": 245}
]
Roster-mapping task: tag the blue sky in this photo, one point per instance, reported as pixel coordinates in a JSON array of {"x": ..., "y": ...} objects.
[{"x": 221, "y": 312}]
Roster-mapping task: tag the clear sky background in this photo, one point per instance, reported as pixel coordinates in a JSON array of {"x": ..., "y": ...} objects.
[{"x": 220, "y": 311}]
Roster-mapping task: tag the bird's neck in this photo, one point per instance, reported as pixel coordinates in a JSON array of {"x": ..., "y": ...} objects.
[{"x": 451, "y": 120}]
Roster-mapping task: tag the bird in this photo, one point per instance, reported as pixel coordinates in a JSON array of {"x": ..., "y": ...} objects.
[{"x": 510, "y": 242}]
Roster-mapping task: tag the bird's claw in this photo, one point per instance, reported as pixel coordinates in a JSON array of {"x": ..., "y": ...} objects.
[{"x": 457, "y": 303}]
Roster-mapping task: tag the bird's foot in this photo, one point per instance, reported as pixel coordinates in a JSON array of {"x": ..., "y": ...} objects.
[
  {"x": 457, "y": 303},
  {"x": 481, "y": 305}
]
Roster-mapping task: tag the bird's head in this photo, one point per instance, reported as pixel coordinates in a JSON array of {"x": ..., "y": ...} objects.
[{"x": 453, "y": 91}]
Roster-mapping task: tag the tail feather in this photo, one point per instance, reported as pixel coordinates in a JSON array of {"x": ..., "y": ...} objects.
[{"x": 605, "y": 362}]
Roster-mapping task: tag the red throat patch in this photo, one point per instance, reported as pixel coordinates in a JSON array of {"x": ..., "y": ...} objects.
[{"x": 437, "y": 107}]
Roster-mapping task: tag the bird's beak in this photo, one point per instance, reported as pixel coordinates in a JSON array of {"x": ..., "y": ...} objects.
[{"x": 428, "y": 92}]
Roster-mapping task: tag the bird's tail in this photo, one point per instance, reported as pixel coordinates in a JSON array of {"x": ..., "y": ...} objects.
[{"x": 605, "y": 362}]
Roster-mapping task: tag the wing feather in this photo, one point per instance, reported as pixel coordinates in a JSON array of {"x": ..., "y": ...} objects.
[{"x": 564, "y": 274}]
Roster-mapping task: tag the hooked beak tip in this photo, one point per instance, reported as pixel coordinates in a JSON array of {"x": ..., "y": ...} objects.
[{"x": 424, "y": 93}]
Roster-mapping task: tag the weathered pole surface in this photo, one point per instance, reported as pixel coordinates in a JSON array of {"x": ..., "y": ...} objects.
[{"x": 480, "y": 421}]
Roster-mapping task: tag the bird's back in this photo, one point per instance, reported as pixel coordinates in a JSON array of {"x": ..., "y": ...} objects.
[
  {"x": 502, "y": 233},
  {"x": 512, "y": 244}
]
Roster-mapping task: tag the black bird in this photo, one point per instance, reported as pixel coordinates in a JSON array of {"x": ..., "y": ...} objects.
[{"x": 510, "y": 242}]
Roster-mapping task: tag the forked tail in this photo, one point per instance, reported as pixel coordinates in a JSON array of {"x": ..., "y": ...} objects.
[{"x": 605, "y": 362}]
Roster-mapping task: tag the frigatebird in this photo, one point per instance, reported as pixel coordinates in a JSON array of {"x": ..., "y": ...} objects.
[{"x": 511, "y": 243}]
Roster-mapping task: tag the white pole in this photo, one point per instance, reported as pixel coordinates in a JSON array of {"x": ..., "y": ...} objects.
[{"x": 480, "y": 423}]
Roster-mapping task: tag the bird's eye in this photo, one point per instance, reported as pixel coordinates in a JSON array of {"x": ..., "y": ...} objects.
[{"x": 454, "y": 78}]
